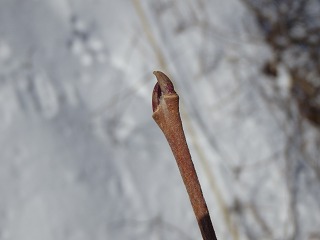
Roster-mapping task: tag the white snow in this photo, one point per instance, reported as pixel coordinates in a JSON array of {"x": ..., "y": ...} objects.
[{"x": 81, "y": 157}]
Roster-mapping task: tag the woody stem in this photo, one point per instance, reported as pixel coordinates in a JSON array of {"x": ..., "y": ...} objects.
[{"x": 165, "y": 102}]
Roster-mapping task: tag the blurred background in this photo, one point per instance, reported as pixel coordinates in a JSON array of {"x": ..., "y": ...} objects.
[{"x": 81, "y": 157}]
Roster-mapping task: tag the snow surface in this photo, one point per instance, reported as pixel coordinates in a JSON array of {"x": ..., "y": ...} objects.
[{"x": 81, "y": 157}]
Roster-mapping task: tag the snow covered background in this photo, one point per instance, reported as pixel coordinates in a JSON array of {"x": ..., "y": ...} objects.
[{"x": 81, "y": 157}]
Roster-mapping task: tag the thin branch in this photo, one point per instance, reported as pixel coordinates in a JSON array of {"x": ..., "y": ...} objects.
[{"x": 165, "y": 104}]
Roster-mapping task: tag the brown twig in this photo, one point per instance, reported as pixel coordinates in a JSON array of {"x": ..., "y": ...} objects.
[{"x": 165, "y": 104}]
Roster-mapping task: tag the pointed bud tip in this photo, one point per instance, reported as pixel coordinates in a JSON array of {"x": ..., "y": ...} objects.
[{"x": 165, "y": 83}]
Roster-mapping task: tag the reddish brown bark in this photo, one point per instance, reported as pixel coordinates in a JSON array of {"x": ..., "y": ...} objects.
[{"x": 165, "y": 103}]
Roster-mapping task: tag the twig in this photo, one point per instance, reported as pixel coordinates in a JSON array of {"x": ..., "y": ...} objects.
[{"x": 165, "y": 104}]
